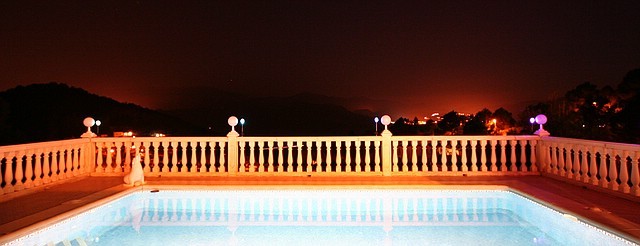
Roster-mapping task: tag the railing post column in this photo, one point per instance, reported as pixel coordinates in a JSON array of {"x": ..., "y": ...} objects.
[
  {"x": 386, "y": 153},
  {"x": 232, "y": 147},
  {"x": 232, "y": 155}
]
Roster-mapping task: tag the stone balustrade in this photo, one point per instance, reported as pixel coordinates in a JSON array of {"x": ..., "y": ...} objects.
[{"x": 610, "y": 166}]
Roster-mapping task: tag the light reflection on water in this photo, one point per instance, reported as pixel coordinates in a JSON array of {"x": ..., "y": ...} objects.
[{"x": 322, "y": 217}]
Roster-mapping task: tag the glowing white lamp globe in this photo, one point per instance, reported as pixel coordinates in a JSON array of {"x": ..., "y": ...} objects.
[
  {"x": 386, "y": 120},
  {"x": 541, "y": 119},
  {"x": 88, "y": 122},
  {"x": 232, "y": 121}
]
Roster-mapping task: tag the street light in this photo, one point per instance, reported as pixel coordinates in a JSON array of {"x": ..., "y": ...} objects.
[
  {"x": 242, "y": 127},
  {"x": 376, "y": 120},
  {"x": 98, "y": 127}
]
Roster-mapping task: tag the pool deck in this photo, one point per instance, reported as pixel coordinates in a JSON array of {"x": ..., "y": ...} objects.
[{"x": 622, "y": 215}]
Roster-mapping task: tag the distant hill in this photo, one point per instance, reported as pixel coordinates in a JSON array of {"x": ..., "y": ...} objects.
[
  {"x": 54, "y": 111},
  {"x": 274, "y": 116}
]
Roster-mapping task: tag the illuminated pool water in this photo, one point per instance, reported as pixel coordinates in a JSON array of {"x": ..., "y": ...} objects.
[{"x": 321, "y": 217}]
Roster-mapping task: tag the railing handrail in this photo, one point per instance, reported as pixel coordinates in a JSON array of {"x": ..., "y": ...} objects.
[
  {"x": 31, "y": 146},
  {"x": 602, "y": 144}
]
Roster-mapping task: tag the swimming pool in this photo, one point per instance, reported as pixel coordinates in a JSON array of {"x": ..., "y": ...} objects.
[{"x": 321, "y": 217}]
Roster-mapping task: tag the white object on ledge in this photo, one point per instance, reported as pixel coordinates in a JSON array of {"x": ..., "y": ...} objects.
[{"x": 136, "y": 176}]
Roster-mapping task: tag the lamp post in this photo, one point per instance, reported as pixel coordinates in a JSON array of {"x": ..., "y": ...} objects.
[
  {"x": 98, "y": 123},
  {"x": 532, "y": 120},
  {"x": 242, "y": 127},
  {"x": 376, "y": 120}
]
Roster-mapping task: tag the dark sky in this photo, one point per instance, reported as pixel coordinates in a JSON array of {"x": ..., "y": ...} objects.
[{"x": 419, "y": 56}]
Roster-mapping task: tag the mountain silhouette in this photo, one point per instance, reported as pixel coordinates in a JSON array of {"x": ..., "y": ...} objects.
[{"x": 54, "y": 111}]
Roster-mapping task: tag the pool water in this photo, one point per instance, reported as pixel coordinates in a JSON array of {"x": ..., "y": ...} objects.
[{"x": 321, "y": 217}]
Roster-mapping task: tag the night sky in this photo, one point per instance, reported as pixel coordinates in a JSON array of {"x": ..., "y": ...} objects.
[{"x": 417, "y": 56}]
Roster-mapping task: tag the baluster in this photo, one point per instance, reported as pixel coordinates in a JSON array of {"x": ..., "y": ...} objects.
[
  {"x": 474, "y": 157},
  {"x": 8, "y": 163},
  {"x": 8, "y": 173},
  {"x": 222, "y": 161},
  {"x": 434, "y": 155},
  {"x": 165, "y": 156},
  {"x": 156, "y": 158},
  {"x": 603, "y": 169},
  {"x": 394, "y": 159},
  {"x": 569, "y": 162},
  {"x": 493, "y": 151},
  {"x": 561, "y": 159},
  {"x": 376, "y": 167},
  {"x": 38, "y": 169},
  {"x": 523, "y": 155},
  {"x": 635, "y": 174},
  {"x": 424, "y": 155},
  {"x": 358, "y": 159},
  {"x": 98, "y": 154},
  {"x": 463, "y": 154},
  {"x": 54, "y": 165},
  {"x": 554, "y": 158},
  {"x": 584, "y": 164},
  {"x": 147, "y": 159},
  {"x": 46, "y": 166},
  {"x": 347, "y": 158},
  {"x": 547, "y": 157},
  {"x": 624, "y": 173},
  {"x": 593, "y": 167},
  {"x": 243, "y": 160},
  {"x": 69, "y": 163},
  {"x": 299, "y": 159},
  {"x": 503, "y": 155},
  {"x": 270, "y": 151},
  {"x": 414, "y": 157},
  {"x": 513, "y": 167},
  {"x": 62, "y": 164},
  {"x": 174, "y": 157},
  {"x": 290, "y": 155},
  {"x": 444, "y": 155},
  {"x": 194, "y": 156},
  {"x": 319, "y": 156},
  {"x": 309, "y": 146},
  {"x": 118, "y": 155},
  {"x": 76, "y": 160},
  {"x": 109, "y": 168},
  {"x": 613, "y": 170},
  {"x": 405, "y": 157},
  {"x": 577, "y": 164},
  {"x": 252, "y": 157},
  {"x": 338, "y": 156},
  {"x": 367, "y": 156},
  {"x": 19, "y": 171},
  {"x": 483, "y": 155},
  {"x": 280, "y": 157},
  {"x": 261, "y": 157},
  {"x": 454, "y": 156},
  {"x": 128, "y": 146},
  {"x": 29, "y": 170},
  {"x": 183, "y": 160},
  {"x": 534, "y": 161},
  {"x": 203, "y": 157}
]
